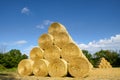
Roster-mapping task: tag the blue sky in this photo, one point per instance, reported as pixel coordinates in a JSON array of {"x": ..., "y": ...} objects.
[{"x": 93, "y": 24}]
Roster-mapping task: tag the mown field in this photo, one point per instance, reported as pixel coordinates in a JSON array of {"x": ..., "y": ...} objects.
[{"x": 95, "y": 74}]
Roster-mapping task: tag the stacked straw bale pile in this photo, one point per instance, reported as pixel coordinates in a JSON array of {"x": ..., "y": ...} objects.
[
  {"x": 56, "y": 56},
  {"x": 103, "y": 63}
]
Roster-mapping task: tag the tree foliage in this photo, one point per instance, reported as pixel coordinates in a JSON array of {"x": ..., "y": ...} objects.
[
  {"x": 112, "y": 56},
  {"x": 12, "y": 58}
]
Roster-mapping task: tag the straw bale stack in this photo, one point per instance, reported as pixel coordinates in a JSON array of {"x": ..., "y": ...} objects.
[
  {"x": 70, "y": 50},
  {"x": 52, "y": 52},
  {"x": 56, "y": 55},
  {"x": 45, "y": 41},
  {"x": 40, "y": 67},
  {"x": 36, "y": 53},
  {"x": 103, "y": 63},
  {"x": 57, "y": 68},
  {"x": 25, "y": 67},
  {"x": 79, "y": 67}
]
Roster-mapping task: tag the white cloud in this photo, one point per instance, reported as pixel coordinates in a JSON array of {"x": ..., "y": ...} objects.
[
  {"x": 44, "y": 24},
  {"x": 113, "y": 43},
  {"x": 20, "y": 42},
  {"x": 14, "y": 43},
  {"x": 25, "y": 10}
]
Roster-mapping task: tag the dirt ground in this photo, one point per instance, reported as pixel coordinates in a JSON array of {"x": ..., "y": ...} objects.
[{"x": 95, "y": 74}]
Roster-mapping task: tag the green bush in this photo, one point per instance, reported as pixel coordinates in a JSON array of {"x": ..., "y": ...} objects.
[
  {"x": 11, "y": 58},
  {"x": 2, "y": 68}
]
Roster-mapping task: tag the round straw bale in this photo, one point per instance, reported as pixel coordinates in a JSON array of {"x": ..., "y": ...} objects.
[
  {"x": 36, "y": 53},
  {"x": 101, "y": 63},
  {"x": 103, "y": 59},
  {"x": 52, "y": 52},
  {"x": 60, "y": 39},
  {"x": 99, "y": 66},
  {"x": 45, "y": 40},
  {"x": 70, "y": 50},
  {"x": 57, "y": 68},
  {"x": 109, "y": 64},
  {"x": 56, "y": 27},
  {"x": 25, "y": 67},
  {"x": 40, "y": 67},
  {"x": 79, "y": 67},
  {"x": 87, "y": 60}
]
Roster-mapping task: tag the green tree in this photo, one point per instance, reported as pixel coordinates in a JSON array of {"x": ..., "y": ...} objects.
[
  {"x": 111, "y": 56},
  {"x": 12, "y": 58}
]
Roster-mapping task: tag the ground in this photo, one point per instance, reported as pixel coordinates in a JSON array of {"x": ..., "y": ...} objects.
[{"x": 95, "y": 74}]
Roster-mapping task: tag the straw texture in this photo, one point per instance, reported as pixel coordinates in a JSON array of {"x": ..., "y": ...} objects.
[
  {"x": 36, "y": 53},
  {"x": 25, "y": 67},
  {"x": 40, "y": 68},
  {"x": 56, "y": 55},
  {"x": 79, "y": 67},
  {"x": 91, "y": 66},
  {"x": 56, "y": 27},
  {"x": 52, "y": 52},
  {"x": 60, "y": 39},
  {"x": 103, "y": 63},
  {"x": 57, "y": 68},
  {"x": 45, "y": 41},
  {"x": 70, "y": 50}
]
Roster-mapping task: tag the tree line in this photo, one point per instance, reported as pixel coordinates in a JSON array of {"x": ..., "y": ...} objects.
[
  {"x": 11, "y": 58},
  {"x": 111, "y": 56}
]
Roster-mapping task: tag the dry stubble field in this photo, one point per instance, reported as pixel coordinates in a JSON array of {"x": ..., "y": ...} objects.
[{"x": 95, "y": 74}]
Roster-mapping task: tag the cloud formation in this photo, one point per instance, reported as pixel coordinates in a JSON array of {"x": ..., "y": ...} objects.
[
  {"x": 14, "y": 43},
  {"x": 44, "y": 24},
  {"x": 20, "y": 42},
  {"x": 113, "y": 43},
  {"x": 25, "y": 10}
]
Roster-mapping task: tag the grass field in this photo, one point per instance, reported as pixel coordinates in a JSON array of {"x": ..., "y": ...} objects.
[{"x": 95, "y": 74}]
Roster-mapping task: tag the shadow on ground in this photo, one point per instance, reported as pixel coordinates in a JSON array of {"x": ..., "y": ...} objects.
[{"x": 5, "y": 76}]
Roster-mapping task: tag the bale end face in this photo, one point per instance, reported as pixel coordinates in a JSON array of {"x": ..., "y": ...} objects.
[
  {"x": 25, "y": 67},
  {"x": 40, "y": 68},
  {"x": 57, "y": 68},
  {"x": 36, "y": 53},
  {"x": 79, "y": 67}
]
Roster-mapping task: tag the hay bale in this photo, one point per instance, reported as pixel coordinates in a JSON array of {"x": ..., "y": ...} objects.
[
  {"x": 57, "y": 68},
  {"x": 103, "y": 63},
  {"x": 56, "y": 27},
  {"x": 40, "y": 67},
  {"x": 78, "y": 67},
  {"x": 70, "y": 50},
  {"x": 62, "y": 38},
  {"x": 91, "y": 66},
  {"x": 36, "y": 53},
  {"x": 25, "y": 67},
  {"x": 45, "y": 41},
  {"x": 52, "y": 52}
]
